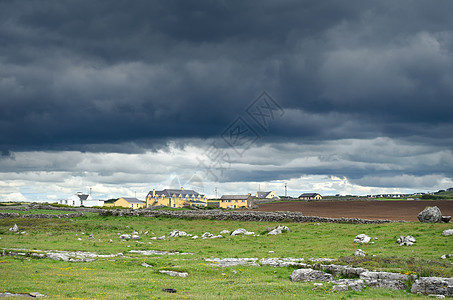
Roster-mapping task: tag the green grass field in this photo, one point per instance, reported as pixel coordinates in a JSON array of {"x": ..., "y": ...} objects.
[{"x": 124, "y": 277}]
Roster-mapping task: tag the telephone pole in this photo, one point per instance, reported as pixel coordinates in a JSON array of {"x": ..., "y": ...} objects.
[{"x": 286, "y": 190}]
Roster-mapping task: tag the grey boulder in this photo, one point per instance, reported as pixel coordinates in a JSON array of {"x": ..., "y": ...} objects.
[
  {"x": 430, "y": 214},
  {"x": 310, "y": 275}
]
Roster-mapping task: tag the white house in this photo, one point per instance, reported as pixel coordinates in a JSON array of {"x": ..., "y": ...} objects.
[{"x": 80, "y": 199}]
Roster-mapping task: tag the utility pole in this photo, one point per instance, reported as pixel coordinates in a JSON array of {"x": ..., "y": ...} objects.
[
  {"x": 90, "y": 191},
  {"x": 216, "y": 192},
  {"x": 286, "y": 190},
  {"x": 135, "y": 194}
]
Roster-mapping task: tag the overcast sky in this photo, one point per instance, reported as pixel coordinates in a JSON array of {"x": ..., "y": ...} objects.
[{"x": 347, "y": 97}]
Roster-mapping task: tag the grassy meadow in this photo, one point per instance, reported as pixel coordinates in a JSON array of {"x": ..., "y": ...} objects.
[{"x": 123, "y": 277}]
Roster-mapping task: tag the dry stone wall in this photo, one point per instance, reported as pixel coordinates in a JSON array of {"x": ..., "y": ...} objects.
[{"x": 245, "y": 215}]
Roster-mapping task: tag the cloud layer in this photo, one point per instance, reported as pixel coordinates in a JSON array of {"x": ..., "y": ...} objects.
[{"x": 366, "y": 89}]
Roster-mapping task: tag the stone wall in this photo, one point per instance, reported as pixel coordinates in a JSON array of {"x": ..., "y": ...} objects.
[
  {"x": 41, "y": 216},
  {"x": 244, "y": 215}
]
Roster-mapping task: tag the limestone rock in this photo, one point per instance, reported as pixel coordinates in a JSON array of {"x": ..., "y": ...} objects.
[
  {"x": 279, "y": 230},
  {"x": 15, "y": 228},
  {"x": 362, "y": 238},
  {"x": 446, "y": 219},
  {"x": 359, "y": 252},
  {"x": 225, "y": 232},
  {"x": 433, "y": 285},
  {"x": 447, "y": 232},
  {"x": 340, "y": 288},
  {"x": 353, "y": 284},
  {"x": 174, "y": 273},
  {"x": 394, "y": 281},
  {"x": 241, "y": 231},
  {"x": 430, "y": 215},
  {"x": 177, "y": 233},
  {"x": 310, "y": 275},
  {"x": 406, "y": 240}
]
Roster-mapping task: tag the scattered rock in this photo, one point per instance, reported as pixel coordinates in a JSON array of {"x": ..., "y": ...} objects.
[
  {"x": 394, "y": 281},
  {"x": 447, "y": 232},
  {"x": 241, "y": 231},
  {"x": 91, "y": 237},
  {"x": 173, "y": 273},
  {"x": 353, "y": 284},
  {"x": 169, "y": 290},
  {"x": 406, "y": 240},
  {"x": 206, "y": 235},
  {"x": 283, "y": 262},
  {"x": 362, "y": 238},
  {"x": 322, "y": 259},
  {"x": 231, "y": 262},
  {"x": 310, "y": 275},
  {"x": 433, "y": 285},
  {"x": 177, "y": 233},
  {"x": 79, "y": 239},
  {"x": 36, "y": 294},
  {"x": 445, "y": 256},
  {"x": 279, "y": 230},
  {"x": 359, "y": 252},
  {"x": 340, "y": 288},
  {"x": 157, "y": 252},
  {"x": 340, "y": 269},
  {"x": 225, "y": 232},
  {"x": 446, "y": 219},
  {"x": 195, "y": 237},
  {"x": 146, "y": 265},
  {"x": 15, "y": 228},
  {"x": 430, "y": 215}
]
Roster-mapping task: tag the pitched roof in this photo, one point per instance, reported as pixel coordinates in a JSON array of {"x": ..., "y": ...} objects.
[
  {"x": 177, "y": 192},
  {"x": 82, "y": 196},
  {"x": 262, "y": 194},
  {"x": 234, "y": 197},
  {"x": 133, "y": 200},
  {"x": 309, "y": 195}
]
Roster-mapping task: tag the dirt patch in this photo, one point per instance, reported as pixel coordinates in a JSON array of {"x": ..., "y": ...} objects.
[{"x": 373, "y": 210}]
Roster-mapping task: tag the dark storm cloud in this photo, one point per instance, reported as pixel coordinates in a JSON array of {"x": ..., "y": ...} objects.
[{"x": 82, "y": 74}]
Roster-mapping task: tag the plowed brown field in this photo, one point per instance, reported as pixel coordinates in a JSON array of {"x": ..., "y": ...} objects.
[{"x": 391, "y": 210}]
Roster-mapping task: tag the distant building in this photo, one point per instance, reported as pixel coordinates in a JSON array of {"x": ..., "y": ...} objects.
[
  {"x": 236, "y": 201},
  {"x": 267, "y": 195},
  {"x": 176, "y": 198},
  {"x": 133, "y": 203},
  {"x": 80, "y": 199},
  {"x": 310, "y": 196}
]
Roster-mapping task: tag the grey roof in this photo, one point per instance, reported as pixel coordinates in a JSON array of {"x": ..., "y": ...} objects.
[
  {"x": 82, "y": 196},
  {"x": 234, "y": 197},
  {"x": 262, "y": 194},
  {"x": 177, "y": 192},
  {"x": 133, "y": 200},
  {"x": 309, "y": 195}
]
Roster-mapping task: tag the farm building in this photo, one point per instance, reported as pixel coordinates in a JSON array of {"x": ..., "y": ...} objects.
[
  {"x": 310, "y": 196},
  {"x": 80, "y": 199},
  {"x": 133, "y": 203},
  {"x": 236, "y": 201},
  {"x": 175, "y": 198}
]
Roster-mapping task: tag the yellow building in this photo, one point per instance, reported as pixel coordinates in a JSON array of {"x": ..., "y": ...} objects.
[
  {"x": 176, "y": 198},
  {"x": 310, "y": 196},
  {"x": 236, "y": 201},
  {"x": 133, "y": 203}
]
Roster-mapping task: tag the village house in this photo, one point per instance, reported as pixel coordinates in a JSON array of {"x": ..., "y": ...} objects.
[
  {"x": 267, "y": 195},
  {"x": 310, "y": 196},
  {"x": 236, "y": 201},
  {"x": 80, "y": 199},
  {"x": 133, "y": 203},
  {"x": 176, "y": 198}
]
